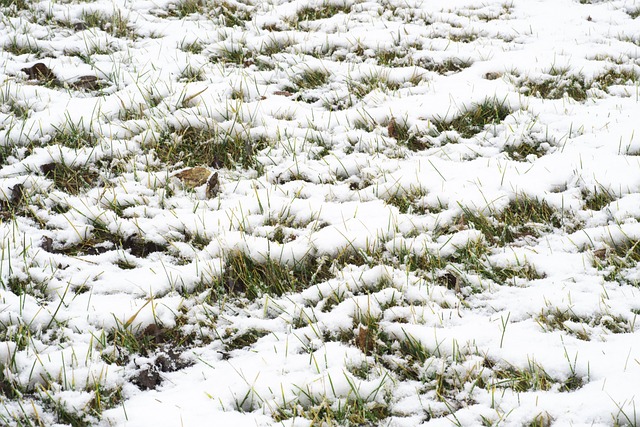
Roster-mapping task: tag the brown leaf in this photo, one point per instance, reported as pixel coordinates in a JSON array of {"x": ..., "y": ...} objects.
[
  {"x": 213, "y": 186},
  {"x": 17, "y": 193},
  {"x": 392, "y": 128},
  {"x": 40, "y": 72},
  {"x": 364, "y": 340},
  {"x": 600, "y": 253},
  {"x": 282, "y": 93},
  {"x": 86, "y": 82},
  {"x": 46, "y": 243},
  {"x": 194, "y": 177}
]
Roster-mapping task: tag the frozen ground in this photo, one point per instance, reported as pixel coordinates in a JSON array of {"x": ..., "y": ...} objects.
[{"x": 426, "y": 213}]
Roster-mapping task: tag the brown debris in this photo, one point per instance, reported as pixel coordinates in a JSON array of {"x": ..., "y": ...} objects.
[
  {"x": 17, "y": 193},
  {"x": 282, "y": 93},
  {"x": 392, "y": 128},
  {"x": 492, "y": 75},
  {"x": 213, "y": 186},
  {"x": 148, "y": 378},
  {"x": 600, "y": 253},
  {"x": 86, "y": 82},
  {"x": 194, "y": 177},
  {"x": 46, "y": 243},
  {"x": 365, "y": 339},
  {"x": 40, "y": 72}
]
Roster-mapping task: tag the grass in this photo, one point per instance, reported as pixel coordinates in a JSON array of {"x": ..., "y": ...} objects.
[
  {"x": 251, "y": 278},
  {"x": 70, "y": 178},
  {"x": 618, "y": 261},
  {"x": 307, "y": 148},
  {"x": 323, "y": 11},
  {"x": 473, "y": 120},
  {"x": 18, "y": 4},
  {"x": 557, "y": 83},
  {"x": 523, "y": 217},
  {"x": 207, "y": 146},
  {"x": 115, "y": 24}
]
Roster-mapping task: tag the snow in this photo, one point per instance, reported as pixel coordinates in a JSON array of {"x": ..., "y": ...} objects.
[{"x": 369, "y": 326}]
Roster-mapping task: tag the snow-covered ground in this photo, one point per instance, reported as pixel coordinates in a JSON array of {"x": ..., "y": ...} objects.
[{"x": 425, "y": 212}]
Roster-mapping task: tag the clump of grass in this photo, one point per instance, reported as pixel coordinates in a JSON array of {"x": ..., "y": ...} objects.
[
  {"x": 408, "y": 202},
  {"x": 393, "y": 57},
  {"x": 615, "y": 76},
  {"x": 73, "y": 136},
  {"x": 245, "y": 339},
  {"x": 633, "y": 13},
  {"x": 529, "y": 146},
  {"x": 309, "y": 79},
  {"x": 21, "y": 48},
  {"x": 166, "y": 343},
  {"x": 324, "y": 11},
  {"x": 232, "y": 15},
  {"x": 191, "y": 74},
  {"x": 272, "y": 46},
  {"x": 566, "y": 320},
  {"x": 188, "y": 7},
  {"x": 474, "y": 119},
  {"x": 197, "y": 146},
  {"x": 116, "y": 24},
  {"x": 522, "y": 217},
  {"x": 243, "y": 275},
  {"x": 366, "y": 84},
  {"x": 17, "y": 4},
  {"x": 70, "y": 178},
  {"x": 532, "y": 378},
  {"x": 12, "y": 104},
  {"x": 237, "y": 54},
  {"x": 618, "y": 260},
  {"x": 508, "y": 275},
  {"x": 556, "y": 84},
  {"x": 598, "y": 198},
  {"x": 194, "y": 47},
  {"x": 446, "y": 67},
  {"x": 354, "y": 410}
]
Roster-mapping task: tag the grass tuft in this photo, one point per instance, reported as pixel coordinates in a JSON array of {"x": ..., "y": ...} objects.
[{"x": 474, "y": 119}]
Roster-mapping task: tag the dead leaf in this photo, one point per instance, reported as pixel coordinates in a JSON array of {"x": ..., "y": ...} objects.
[
  {"x": 213, "y": 186},
  {"x": 40, "y": 72},
  {"x": 17, "y": 193},
  {"x": 600, "y": 253},
  {"x": 392, "y": 128},
  {"x": 86, "y": 82},
  {"x": 194, "y": 177},
  {"x": 282, "y": 93},
  {"x": 46, "y": 243},
  {"x": 493, "y": 75},
  {"x": 365, "y": 339}
]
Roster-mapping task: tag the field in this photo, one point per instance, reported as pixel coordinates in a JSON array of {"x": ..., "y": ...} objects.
[{"x": 319, "y": 212}]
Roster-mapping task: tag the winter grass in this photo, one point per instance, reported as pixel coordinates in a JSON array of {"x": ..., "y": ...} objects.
[{"x": 415, "y": 224}]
